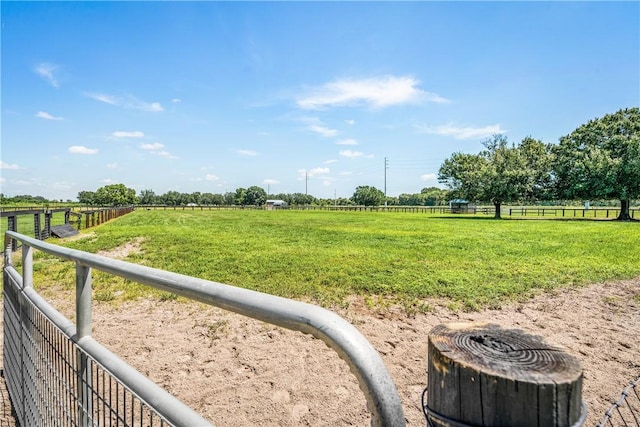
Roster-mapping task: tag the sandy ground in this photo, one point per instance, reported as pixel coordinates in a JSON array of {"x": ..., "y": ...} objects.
[{"x": 239, "y": 372}]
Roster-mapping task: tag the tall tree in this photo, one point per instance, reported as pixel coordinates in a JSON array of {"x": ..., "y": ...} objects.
[
  {"x": 115, "y": 195},
  {"x": 87, "y": 197},
  {"x": 255, "y": 196},
  {"x": 497, "y": 175},
  {"x": 147, "y": 197},
  {"x": 367, "y": 196},
  {"x": 601, "y": 160}
]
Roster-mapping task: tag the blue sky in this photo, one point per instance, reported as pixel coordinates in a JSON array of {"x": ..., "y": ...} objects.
[{"x": 295, "y": 96}]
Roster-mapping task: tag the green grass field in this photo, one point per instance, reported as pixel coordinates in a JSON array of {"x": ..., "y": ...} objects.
[{"x": 470, "y": 262}]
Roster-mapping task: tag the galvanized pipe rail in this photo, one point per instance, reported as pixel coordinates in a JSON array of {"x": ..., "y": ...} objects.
[{"x": 364, "y": 361}]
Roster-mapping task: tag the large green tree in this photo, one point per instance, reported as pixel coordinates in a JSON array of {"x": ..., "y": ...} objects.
[
  {"x": 498, "y": 174},
  {"x": 255, "y": 196},
  {"x": 601, "y": 160},
  {"x": 367, "y": 196},
  {"x": 115, "y": 195}
]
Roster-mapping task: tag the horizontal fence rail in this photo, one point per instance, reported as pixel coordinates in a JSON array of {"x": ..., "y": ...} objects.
[
  {"x": 94, "y": 368},
  {"x": 29, "y": 221}
]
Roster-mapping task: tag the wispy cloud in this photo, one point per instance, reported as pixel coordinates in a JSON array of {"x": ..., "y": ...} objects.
[
  {"x": 348, "y": 141},
  {"x": 323, "y": 130},
  {"x": 107, "y": 181},
  {"x": 176, "y": 100},
  {"x": 328, "y": 162},
  {"x": 157, "y": 149},
  {"x": 351, "y": 154},
  {"x": 210, "y": 177},
  {"x": 350, "y": 122},
  {"x": 376, "y": 92},
  {"x": 154, "y": 146},
  {"x": 428, "y": 177},
  {"x": 128, "y": 101},
  {"x": 4, "y": 165},
  {"x": 302, "y": 173},
  {"x": 270, "y": 181},
  {"x": 458, "y": 132},
  {"x": 107, "y": 99},
  {"x": 112, "y": 165},
  {"x": 80, "y": 149},
  {"x": 249, "y": 153},
  {"x": 128, "y": 134},
  {"x": 165, "y": 154},
  {"x": 46, "y": 71},
  {"x": 47, "y": 116}
]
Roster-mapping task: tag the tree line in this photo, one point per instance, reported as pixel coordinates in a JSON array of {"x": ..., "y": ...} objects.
[
  {"x": 120, "y": 195},
  {"x": 598, "y": 160}
]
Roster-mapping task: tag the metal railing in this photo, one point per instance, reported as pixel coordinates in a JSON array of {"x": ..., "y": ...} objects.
[{"x": 56, "y": 371}]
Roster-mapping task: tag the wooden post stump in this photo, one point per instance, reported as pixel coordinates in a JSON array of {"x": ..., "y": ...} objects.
[{"x": 483, "y": 375}]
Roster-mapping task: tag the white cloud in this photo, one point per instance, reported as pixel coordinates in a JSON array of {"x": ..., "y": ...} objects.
[
  {"x": 428, "y": 177},
  {"x": 351, "y": 154},
  {"x": 302, "y": 173},
  {"x": 210, "y": 177},
  {"x": 346, "y": 173},
  {"x": 4, "y": 165},
  {"x": 176, "y": 100},
  {"x": 328, "y": 162},
  {"x": 128, "y": 134},
  {"x": 269, "y": 181},
  {"x": 463, "y": 132},
  {"x": 129, "y": 101},
  {"x": 154, "y": 106},
  {"x": 107, "y": 181},
  {"x": 112, "y": 165},
  {"x": 377, "y": 92},
  {"x": 348, "y": 141},
  {"x": 108, "y": 99},
  {"x": 247, "y": 153},
  {"x": 47, "y": 116},
  {"x": 79, "y": 149},
  {"x": 350, "y": 122},
  {"x": 166, "y": 154},
  {"x": 323, "y": 130},
  {"x": 152, "y": 146},
  {"x": 46, "y": 71}
]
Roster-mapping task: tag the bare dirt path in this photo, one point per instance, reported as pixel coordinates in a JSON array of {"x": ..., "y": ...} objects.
[{"x": 240, "y": 372}]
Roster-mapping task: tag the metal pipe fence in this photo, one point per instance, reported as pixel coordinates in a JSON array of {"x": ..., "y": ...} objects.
[{"x": 57, "y": 372}]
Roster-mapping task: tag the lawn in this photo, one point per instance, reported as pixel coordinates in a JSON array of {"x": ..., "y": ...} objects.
[{"x": 324, "y": 257}]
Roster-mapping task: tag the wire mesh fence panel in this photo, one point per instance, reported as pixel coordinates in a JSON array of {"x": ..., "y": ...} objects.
[
  {"x": 626, "y": 410},
  {"x": 54, "y": 382}
]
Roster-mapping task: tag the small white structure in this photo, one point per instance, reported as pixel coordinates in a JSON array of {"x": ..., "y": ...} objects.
[{"x": 275, "y": 204}]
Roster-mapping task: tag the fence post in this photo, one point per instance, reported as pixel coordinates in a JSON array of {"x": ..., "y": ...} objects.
[
  {"x": 37, "y": 233},
  {"x": 47, "y": 224},
  {"x": 83, "y": 329},
  {"x": 12, "y": 225},
  {"x": 483, "y": 375}
]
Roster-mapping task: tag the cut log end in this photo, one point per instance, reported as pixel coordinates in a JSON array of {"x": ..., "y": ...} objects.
[{"x": 481, "y": 374}]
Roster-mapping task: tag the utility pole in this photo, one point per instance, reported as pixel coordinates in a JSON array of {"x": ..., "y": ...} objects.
[{"x": 386, "y": 166}]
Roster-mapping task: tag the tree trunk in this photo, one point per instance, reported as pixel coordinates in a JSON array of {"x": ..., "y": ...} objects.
[
  {"x": 624, "y": 210},
  {"x": 496, "y": 205}
]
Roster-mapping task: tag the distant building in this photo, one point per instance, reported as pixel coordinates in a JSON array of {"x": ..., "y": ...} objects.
[
  {"x": 275, "y": 204},
  {"x": 460, "y": 206}
]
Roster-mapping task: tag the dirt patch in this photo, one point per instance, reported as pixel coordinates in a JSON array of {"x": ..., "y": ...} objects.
[
  {"x": 123, "y": 251},
  {"x": 236, "y": 371}
]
